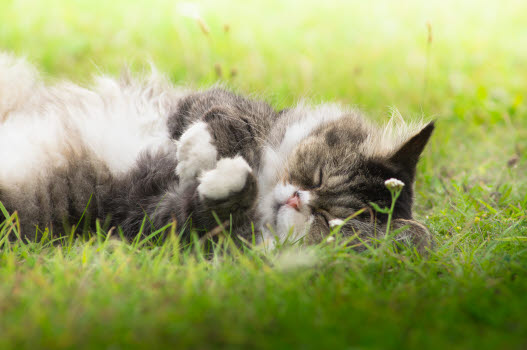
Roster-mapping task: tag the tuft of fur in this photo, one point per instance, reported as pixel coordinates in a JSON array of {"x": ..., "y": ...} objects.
[
  {"x": 386, "y": 139},
  {"x": 195, "y": 152},
  {"x": 18, "y": 83}
]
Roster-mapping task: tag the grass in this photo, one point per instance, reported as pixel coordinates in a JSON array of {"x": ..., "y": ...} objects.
[{"x": 471, "y": 190}]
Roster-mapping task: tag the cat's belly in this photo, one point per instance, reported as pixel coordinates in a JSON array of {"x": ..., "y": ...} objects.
[
  {"x": 61, "y": 150},
  {"x": 111, "y": 125}
]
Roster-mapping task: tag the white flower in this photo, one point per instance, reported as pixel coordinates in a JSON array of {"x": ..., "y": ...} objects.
[
  {"x": 394, "y": 184},
  {"x": 330, "y": 239},
  {"x": 335, "y": 222}
]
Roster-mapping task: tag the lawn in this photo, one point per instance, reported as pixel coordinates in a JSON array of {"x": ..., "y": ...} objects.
[{"x": 462, "y": 63}]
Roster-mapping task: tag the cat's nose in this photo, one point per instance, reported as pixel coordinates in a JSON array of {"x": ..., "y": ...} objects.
[{"x": 294, "y": 201}]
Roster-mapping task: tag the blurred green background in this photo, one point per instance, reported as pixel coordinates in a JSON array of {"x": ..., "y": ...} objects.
[
  {"x": 463, "y": 63},
  {"x": 371, "y": 55}
]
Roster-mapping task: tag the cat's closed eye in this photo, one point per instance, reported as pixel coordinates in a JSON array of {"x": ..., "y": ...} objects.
[{"x": 317, "y": 179}]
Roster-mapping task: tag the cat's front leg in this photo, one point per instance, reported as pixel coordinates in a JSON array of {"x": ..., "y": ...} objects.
[
  {"x": 196, "y": 153},
  {"x": 225, "y": 189},
  {"x": 229, "y": 190},
  {"x": 225, "y": 193}
]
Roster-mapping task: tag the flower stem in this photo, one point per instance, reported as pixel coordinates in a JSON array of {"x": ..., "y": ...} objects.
[{"x": 395, "y": 194}]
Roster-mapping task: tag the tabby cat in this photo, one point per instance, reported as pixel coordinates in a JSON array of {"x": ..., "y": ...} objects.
[{"x": 139, "y": 154}]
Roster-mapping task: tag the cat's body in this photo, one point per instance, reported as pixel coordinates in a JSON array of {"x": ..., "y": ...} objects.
[{"x": 136, "y": 149}]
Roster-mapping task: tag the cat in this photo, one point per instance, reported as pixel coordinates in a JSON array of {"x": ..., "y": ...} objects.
[{"x": 141, "y": 153}]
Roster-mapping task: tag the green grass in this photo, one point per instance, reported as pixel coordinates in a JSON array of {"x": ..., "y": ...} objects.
[{"x": 470, "y": 292}]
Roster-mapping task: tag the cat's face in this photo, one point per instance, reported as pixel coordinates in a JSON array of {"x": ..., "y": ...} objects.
[{"x": 327, "y": 178}]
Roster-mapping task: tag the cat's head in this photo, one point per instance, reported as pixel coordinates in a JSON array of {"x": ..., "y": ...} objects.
[{"x": 338, "y": 168}]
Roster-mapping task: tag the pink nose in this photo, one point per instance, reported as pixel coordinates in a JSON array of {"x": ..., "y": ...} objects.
[{"x": 294, "y": 201}]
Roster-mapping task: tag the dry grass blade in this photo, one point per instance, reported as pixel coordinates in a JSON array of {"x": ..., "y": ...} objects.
[{"x": 215, "y": 232}]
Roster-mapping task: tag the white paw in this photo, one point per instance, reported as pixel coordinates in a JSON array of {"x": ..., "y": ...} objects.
[
  {"x": 195, "y": 153},
  {"x": 229, "y": 176},
  {"x": 335, "y": 222}
]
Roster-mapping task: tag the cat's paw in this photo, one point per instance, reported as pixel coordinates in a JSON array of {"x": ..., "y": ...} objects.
[
  {"x": 195, "y": 153},
  {"x": 229, "y": 176}
]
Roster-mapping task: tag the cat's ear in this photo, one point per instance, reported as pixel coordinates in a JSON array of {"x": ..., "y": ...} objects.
[{"x": 408, "y": 154}]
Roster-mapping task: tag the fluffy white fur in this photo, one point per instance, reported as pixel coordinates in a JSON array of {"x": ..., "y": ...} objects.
[
  {"x": 282, "y": 192},
  {"x": 18, "y": 82},
  {"x": 196, "y": 153},
  {"x": 385, "y": 140},
  {"x": 335, "y": 222},
  {"x": 292, "y": 224},
  {"x": 229, "y": 176},
  {"x": 289, "y": 223},
  {"x": 44, "y": 126}
]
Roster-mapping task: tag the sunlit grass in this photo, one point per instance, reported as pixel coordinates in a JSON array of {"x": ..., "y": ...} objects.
[{"x": 471, "y": 190}]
